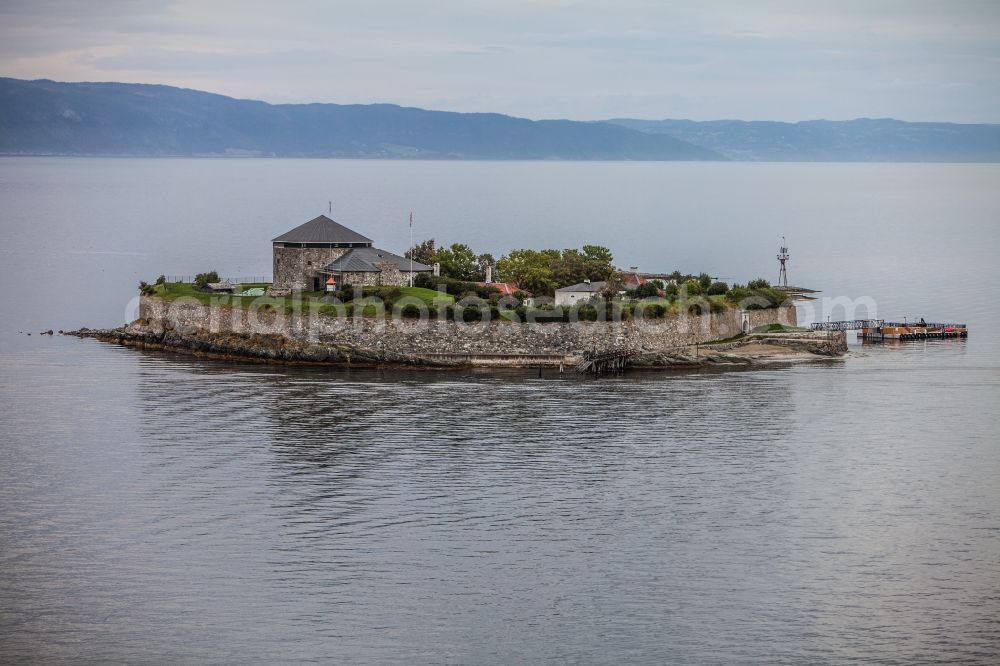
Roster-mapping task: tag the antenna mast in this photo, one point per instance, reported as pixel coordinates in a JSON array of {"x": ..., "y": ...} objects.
[{"x": 782, "y": 259}]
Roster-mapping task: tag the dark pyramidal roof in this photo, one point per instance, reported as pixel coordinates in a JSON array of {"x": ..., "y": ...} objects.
[
  {"x": 367, "y": 260},
  {"x": 586, "y": 287},
  {"x": 321, "y": 230}
]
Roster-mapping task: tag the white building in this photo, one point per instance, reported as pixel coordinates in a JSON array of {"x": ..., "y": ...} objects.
[{"x": 579, "y": 293}]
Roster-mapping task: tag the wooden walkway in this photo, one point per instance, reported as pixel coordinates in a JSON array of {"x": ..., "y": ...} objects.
[{"x": 608, "y": 362}]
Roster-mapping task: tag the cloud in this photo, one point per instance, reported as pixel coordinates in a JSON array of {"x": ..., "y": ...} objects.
[
  {"x": 776, "y": 59},
  {"x": 165, "y": 60}
]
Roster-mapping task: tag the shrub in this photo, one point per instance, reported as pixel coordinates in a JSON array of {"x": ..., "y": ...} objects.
[
  {"x": 755, "y": 298},
  {"x": 202, "y": 279},
  {"x": 410, "y": 311},
  {"x": 717, "y": 289},
  {"x": 693, "y": 287},
  {"x": 586, "y": 312},
  {"x": 672, "y": 291},
  {"x": 449, "y": 285},
  {"x": 386, "y": 293},
  {"x": 472, "y": 308},
  {"x": 161, "y": 280},
  {"x": 146, "y": 289},
  {"x": 545, "y": 314},
  {"x": 512, "y": 314},
  {"x": 651, "y": 310},
  {"x": 486, "y": 292},
  {"x": 646, "y": 290},
  {"x": 759, "y": 283},
  {"x": 332, "y": 310},
  {"x": 425, "y": 281}
]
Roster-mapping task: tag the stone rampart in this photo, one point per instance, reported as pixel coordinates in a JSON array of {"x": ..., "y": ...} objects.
[{"x": 386, "y": 337}]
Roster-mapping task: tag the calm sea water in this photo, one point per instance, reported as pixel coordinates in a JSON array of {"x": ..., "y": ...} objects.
[{"x": 157, "y": 508}]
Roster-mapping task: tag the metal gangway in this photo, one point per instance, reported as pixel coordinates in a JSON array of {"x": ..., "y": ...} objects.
[{"x": 852, "y": 325}]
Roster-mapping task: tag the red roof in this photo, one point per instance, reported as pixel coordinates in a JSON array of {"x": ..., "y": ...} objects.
[
  {"x": 633, "y": 278},
  {"x": 505, "y": 288}
]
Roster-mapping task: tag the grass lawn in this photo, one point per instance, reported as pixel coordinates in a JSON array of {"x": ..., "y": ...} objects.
[
  {"x": 428, "y": 296},
  {"x": 779, "y": 328},
  {"x": 310, "y": 300},
  {"x": 175, "y": 290}
]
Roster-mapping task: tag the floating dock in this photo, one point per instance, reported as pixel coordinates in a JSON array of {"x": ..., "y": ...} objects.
[
  {"x": 915, "y": 331},
  {"x": 876, "y": 330}
]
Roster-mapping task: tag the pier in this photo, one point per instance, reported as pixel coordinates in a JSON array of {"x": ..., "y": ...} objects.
[
  {"x": 877, "y": 330},
  {"x": 609, "y": 362}
]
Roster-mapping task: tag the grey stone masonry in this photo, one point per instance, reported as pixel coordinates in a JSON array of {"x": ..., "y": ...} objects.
[
  {"x": 298, "y": 267},
  {"x": 428, "y": 337}
]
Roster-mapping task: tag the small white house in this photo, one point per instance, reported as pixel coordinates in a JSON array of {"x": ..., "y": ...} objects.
[{"x": 579, "y": 293}]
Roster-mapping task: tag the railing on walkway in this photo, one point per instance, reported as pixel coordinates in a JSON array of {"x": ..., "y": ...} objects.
[
  {"x": 607, "y": 362},
  {"x": 853, "y": 325},
  {"x": 253, "y": 279}
]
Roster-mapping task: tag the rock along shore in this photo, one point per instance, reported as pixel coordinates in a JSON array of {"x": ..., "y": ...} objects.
[{"x": 755, "y": 349}]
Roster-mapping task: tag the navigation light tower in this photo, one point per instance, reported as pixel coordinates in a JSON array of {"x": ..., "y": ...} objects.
[{"x": 782, "y": 259}]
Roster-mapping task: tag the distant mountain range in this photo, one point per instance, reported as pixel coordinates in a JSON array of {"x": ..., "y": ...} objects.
[
  {"x": 862, "y": 140},
  {"x": 50, "y": 118}
]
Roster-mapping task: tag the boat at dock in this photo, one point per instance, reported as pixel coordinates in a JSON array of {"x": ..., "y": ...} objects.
[
  {"x": 877, "y": 330},
  {"x": 914, "y": 331}
]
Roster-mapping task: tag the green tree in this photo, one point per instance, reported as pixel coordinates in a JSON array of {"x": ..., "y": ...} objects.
[
  {"x": 530, "y": 269},
  {"x": 457, "y": 261},
  {"x": 538, "y": 280},
  {"x": 692, "y": 287},
  {"x": 704, "y": 281},
  {"x": 615, "y": 285},
  {"x": 482, "y": 261},
  {"x": 422, "y": 252},
  {"x": 598, "y": 254},
  {"x": 202, "y": 279},
  {"x": 575, "y": 266},
  {"x": 672, "y": 291},
  {"x": 570, "y": 268}
]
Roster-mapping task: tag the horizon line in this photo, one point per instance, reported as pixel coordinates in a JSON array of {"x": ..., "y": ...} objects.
[{"x": 497, "y": 113}]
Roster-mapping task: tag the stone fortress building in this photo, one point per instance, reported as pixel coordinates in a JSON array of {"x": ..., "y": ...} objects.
[{"x": 308, "y": 255}]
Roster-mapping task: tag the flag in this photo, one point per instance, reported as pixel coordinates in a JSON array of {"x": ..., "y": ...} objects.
[{"x": 411, "y": 219}]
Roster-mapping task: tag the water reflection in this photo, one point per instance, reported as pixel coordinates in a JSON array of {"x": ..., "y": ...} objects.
[{"x": 297, "y": 513}]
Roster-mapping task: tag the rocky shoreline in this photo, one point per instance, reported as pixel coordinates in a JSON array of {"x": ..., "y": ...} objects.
[
  {"x": 254, "y": 347},
  {"x": 751, "y": 350}
]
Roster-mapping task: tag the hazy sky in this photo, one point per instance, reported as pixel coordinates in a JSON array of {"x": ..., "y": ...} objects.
[{"x": 583, "y": 59}]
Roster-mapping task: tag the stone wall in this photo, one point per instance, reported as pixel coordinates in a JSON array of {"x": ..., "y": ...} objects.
[
  {"x": 295, "y": 267},
  {"x": 391, "y": 275},
  {"x": 393, "y": 338}
]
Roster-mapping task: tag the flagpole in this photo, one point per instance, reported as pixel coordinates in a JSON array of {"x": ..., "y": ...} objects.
[{"x": 411, "y": 248}]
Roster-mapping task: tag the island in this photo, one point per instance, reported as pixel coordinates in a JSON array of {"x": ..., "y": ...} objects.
[{"x": 337, "y": 299}]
